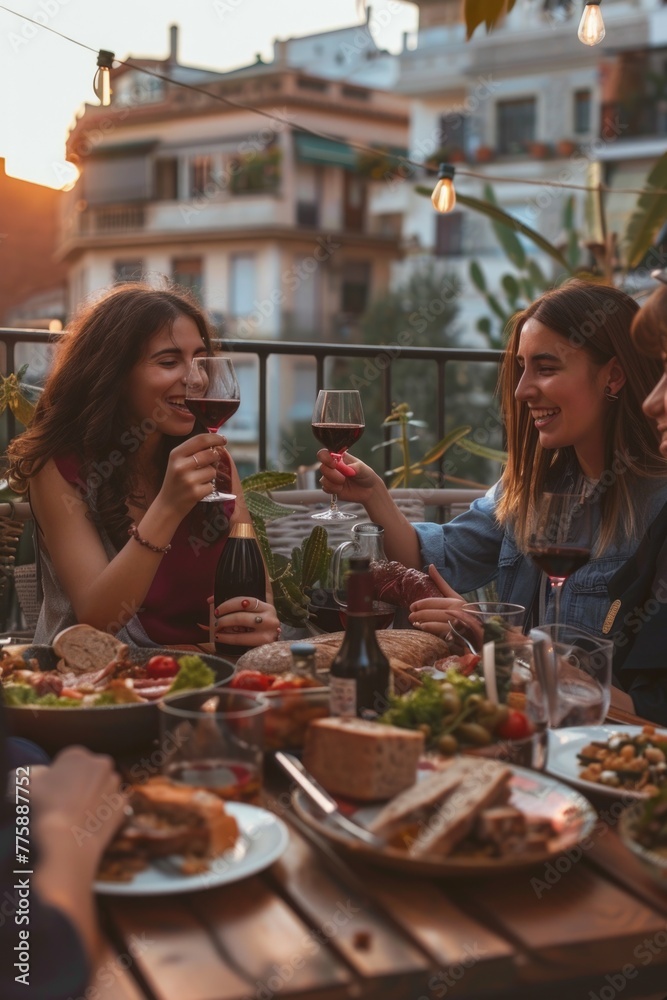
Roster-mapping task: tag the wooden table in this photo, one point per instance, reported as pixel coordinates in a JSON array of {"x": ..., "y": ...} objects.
[{"x": 589, "y": 925}]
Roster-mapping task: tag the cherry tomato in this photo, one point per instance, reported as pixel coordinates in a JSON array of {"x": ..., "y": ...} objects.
[
  {"x": 162, "y": 666},
  {"x": 252, "y": 680},
  {"x": 515, "y": 727}
]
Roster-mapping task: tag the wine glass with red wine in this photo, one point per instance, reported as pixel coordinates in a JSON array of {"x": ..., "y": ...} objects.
[
  {"x": 212, "y": 395},
  {"x": 338, "y": 421},
  {"x": 560, "y": 543}
]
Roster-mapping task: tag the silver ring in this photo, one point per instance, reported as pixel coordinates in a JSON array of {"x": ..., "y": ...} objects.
[
  {"x": 256, "y": 604},
  {"x": 195, "y": 460},
  {"x": 258, "y": 619}
]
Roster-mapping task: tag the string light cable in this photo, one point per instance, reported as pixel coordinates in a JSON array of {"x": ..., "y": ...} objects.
[{"x": 105, "y": 62}]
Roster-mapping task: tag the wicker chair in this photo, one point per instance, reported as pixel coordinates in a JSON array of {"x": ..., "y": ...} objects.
[
  {"x": 286, "y": 533},
  {"x": 22, "y": 580}
]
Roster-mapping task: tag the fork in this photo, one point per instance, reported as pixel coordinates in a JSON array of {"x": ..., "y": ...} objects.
[{"x": 466, "y": 642}]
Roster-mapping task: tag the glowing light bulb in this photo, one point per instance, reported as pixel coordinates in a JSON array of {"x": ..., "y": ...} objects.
[
  {"x": 444, "y": 195},
  {"x": 102, "y": 81},
  {"x": 591, "y": 27}
]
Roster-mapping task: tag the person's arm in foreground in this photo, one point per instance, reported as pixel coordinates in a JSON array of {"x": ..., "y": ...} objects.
[{"x": 78, "y": 807}]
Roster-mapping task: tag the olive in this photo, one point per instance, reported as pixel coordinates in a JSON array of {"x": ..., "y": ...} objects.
[
  {"x": 451, "y": 703},
  {"x": 425, "y": 729},
  {"x": 474, "y": 701},
  {"x": 487, "y": 707},
  {"x": 501, "y": 716},
  {"x": 448, "y": 744},
  {"x": 471, "y": 732}
]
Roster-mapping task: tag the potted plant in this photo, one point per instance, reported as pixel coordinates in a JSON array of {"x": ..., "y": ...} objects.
[
  {"x": 566, "y": 147},
  {"x": 538, "y": 150},
  {"x": 484, "y": 154}
]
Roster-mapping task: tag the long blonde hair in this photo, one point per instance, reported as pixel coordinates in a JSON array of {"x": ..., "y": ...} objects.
[{"x": 597, "y": 319}]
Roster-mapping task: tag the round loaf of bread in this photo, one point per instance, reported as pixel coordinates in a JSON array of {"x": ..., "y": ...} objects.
[
  {"x": 410, "y": 647},
  {"x": 84, "y": 648}
]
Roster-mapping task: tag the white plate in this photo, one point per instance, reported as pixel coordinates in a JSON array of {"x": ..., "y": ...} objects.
[
  {"x": 532, "y": 792},
  {"x": 565, "y": 744},
  {"x": 262, "y": 839}
]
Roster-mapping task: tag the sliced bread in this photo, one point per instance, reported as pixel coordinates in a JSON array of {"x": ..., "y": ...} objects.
[{"x": 486, "y": 785}]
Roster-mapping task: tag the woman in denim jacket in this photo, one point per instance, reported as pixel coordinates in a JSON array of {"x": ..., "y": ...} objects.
[{"x": 571, "y": 388}]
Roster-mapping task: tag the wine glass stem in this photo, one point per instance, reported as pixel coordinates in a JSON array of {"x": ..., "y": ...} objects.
[{"x": 557, "y": 586}]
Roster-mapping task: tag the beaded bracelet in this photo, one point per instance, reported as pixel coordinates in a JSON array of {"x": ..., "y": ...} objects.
[{"x": 134, "y": 531}]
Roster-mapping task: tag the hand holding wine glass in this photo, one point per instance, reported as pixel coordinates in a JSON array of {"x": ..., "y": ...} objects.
[
  {"x": 212, "y": 396},
  {"x": 338, "y": 421},
  {"x": 560, "y": 542}
]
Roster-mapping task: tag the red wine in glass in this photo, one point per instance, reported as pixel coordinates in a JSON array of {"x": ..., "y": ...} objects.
[
  {"x": 560, "y": 542},
  {"x": 337, "y": 438},
  {"x": 212, "y": 396},
  {"x": 213, "y": 413},
  {"x": 559, "y": 561},
  {"x": 338, "y": 421}
]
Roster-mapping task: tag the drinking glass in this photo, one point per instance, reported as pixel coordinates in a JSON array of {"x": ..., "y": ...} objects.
[
  {"x": 338, "y": 421},
  {"x": 215, "y": 739},
  {"x": 580, "y": 675},
  {"x": 212, "y": 396},
  {"x": 514, "y": 680},
  {"x": 367, "y": 540},
  {"x": 560, "y": 542}
]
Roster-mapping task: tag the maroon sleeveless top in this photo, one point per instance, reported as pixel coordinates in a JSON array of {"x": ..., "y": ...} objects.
[{"x": 177, "y": 601}]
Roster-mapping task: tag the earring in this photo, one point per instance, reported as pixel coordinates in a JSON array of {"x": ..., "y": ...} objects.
[{"x": 610, "y": 396}]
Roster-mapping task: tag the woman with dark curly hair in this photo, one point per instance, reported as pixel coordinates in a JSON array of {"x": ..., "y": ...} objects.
[{"x": 114, "y": 469}]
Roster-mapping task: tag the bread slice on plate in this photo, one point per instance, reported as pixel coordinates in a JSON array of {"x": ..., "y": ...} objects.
[
  {"x": 85, "y": 648},
  {"x": 424, "y": 794},
  {"x": 486, "y": 785}
]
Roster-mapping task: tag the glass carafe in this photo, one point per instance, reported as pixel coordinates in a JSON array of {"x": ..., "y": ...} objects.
[{"x": 367, "y": 540}]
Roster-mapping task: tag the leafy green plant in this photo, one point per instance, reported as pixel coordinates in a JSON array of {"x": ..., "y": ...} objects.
[
  {"x": 291, "y": 578},
  {"x": 18, "y": 396},
  {"x": 402, "y": 416}
]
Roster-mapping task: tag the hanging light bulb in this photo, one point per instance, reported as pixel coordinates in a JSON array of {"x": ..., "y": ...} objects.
[
  {"x": 591, "y": 27},
  {"x": 102, "y": 81},
  {"x": 444, "y": 195}
]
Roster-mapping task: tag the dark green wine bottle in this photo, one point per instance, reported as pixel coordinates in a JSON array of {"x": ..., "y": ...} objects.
[{"x": 360, "y": 672}]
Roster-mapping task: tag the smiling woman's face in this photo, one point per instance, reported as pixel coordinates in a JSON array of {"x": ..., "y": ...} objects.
[
  {"x": 655, "y": 407},
  {"x": 156, "y": 384},
  {"x": 564, "y": 391}
]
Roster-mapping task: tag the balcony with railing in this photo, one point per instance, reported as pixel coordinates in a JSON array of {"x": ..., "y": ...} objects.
[{"x": 377, "y": 365}]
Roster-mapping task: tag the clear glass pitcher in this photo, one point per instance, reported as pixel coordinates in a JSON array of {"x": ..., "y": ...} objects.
[{"x": 367, "y": 540}]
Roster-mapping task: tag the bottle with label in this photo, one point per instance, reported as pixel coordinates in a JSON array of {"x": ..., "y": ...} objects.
[
  {"x": 240, "y": 573},
  {"x": 360, "y": 673}
]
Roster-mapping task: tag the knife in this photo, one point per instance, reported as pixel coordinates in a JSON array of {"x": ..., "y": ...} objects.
[{"x": 317, "y": 795}]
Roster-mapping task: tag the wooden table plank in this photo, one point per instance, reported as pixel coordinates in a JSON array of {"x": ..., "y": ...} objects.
[
  {"x": 615, "y": 859},
  {"x": 446, "y": 933},
  {"x": 179, "y": 960},
  {"x": 343, "y": 916},
  {"x": 263, "y": 937},
  {"x": 112, "y": 977},
  {"x": 580, "y": 922}
]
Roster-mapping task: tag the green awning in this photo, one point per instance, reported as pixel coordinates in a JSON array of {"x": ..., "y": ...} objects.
[{"x": 328, "y": 152}]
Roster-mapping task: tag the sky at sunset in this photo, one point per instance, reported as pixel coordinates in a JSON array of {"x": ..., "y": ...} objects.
[{"x": 45, "y": 79}]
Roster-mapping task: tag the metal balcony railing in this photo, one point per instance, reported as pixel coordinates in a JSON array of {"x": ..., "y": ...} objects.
[{"x": 384, "y": 358}]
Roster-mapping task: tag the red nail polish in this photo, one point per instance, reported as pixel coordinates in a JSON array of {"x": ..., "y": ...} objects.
[{"x": 244, "y": 603}]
